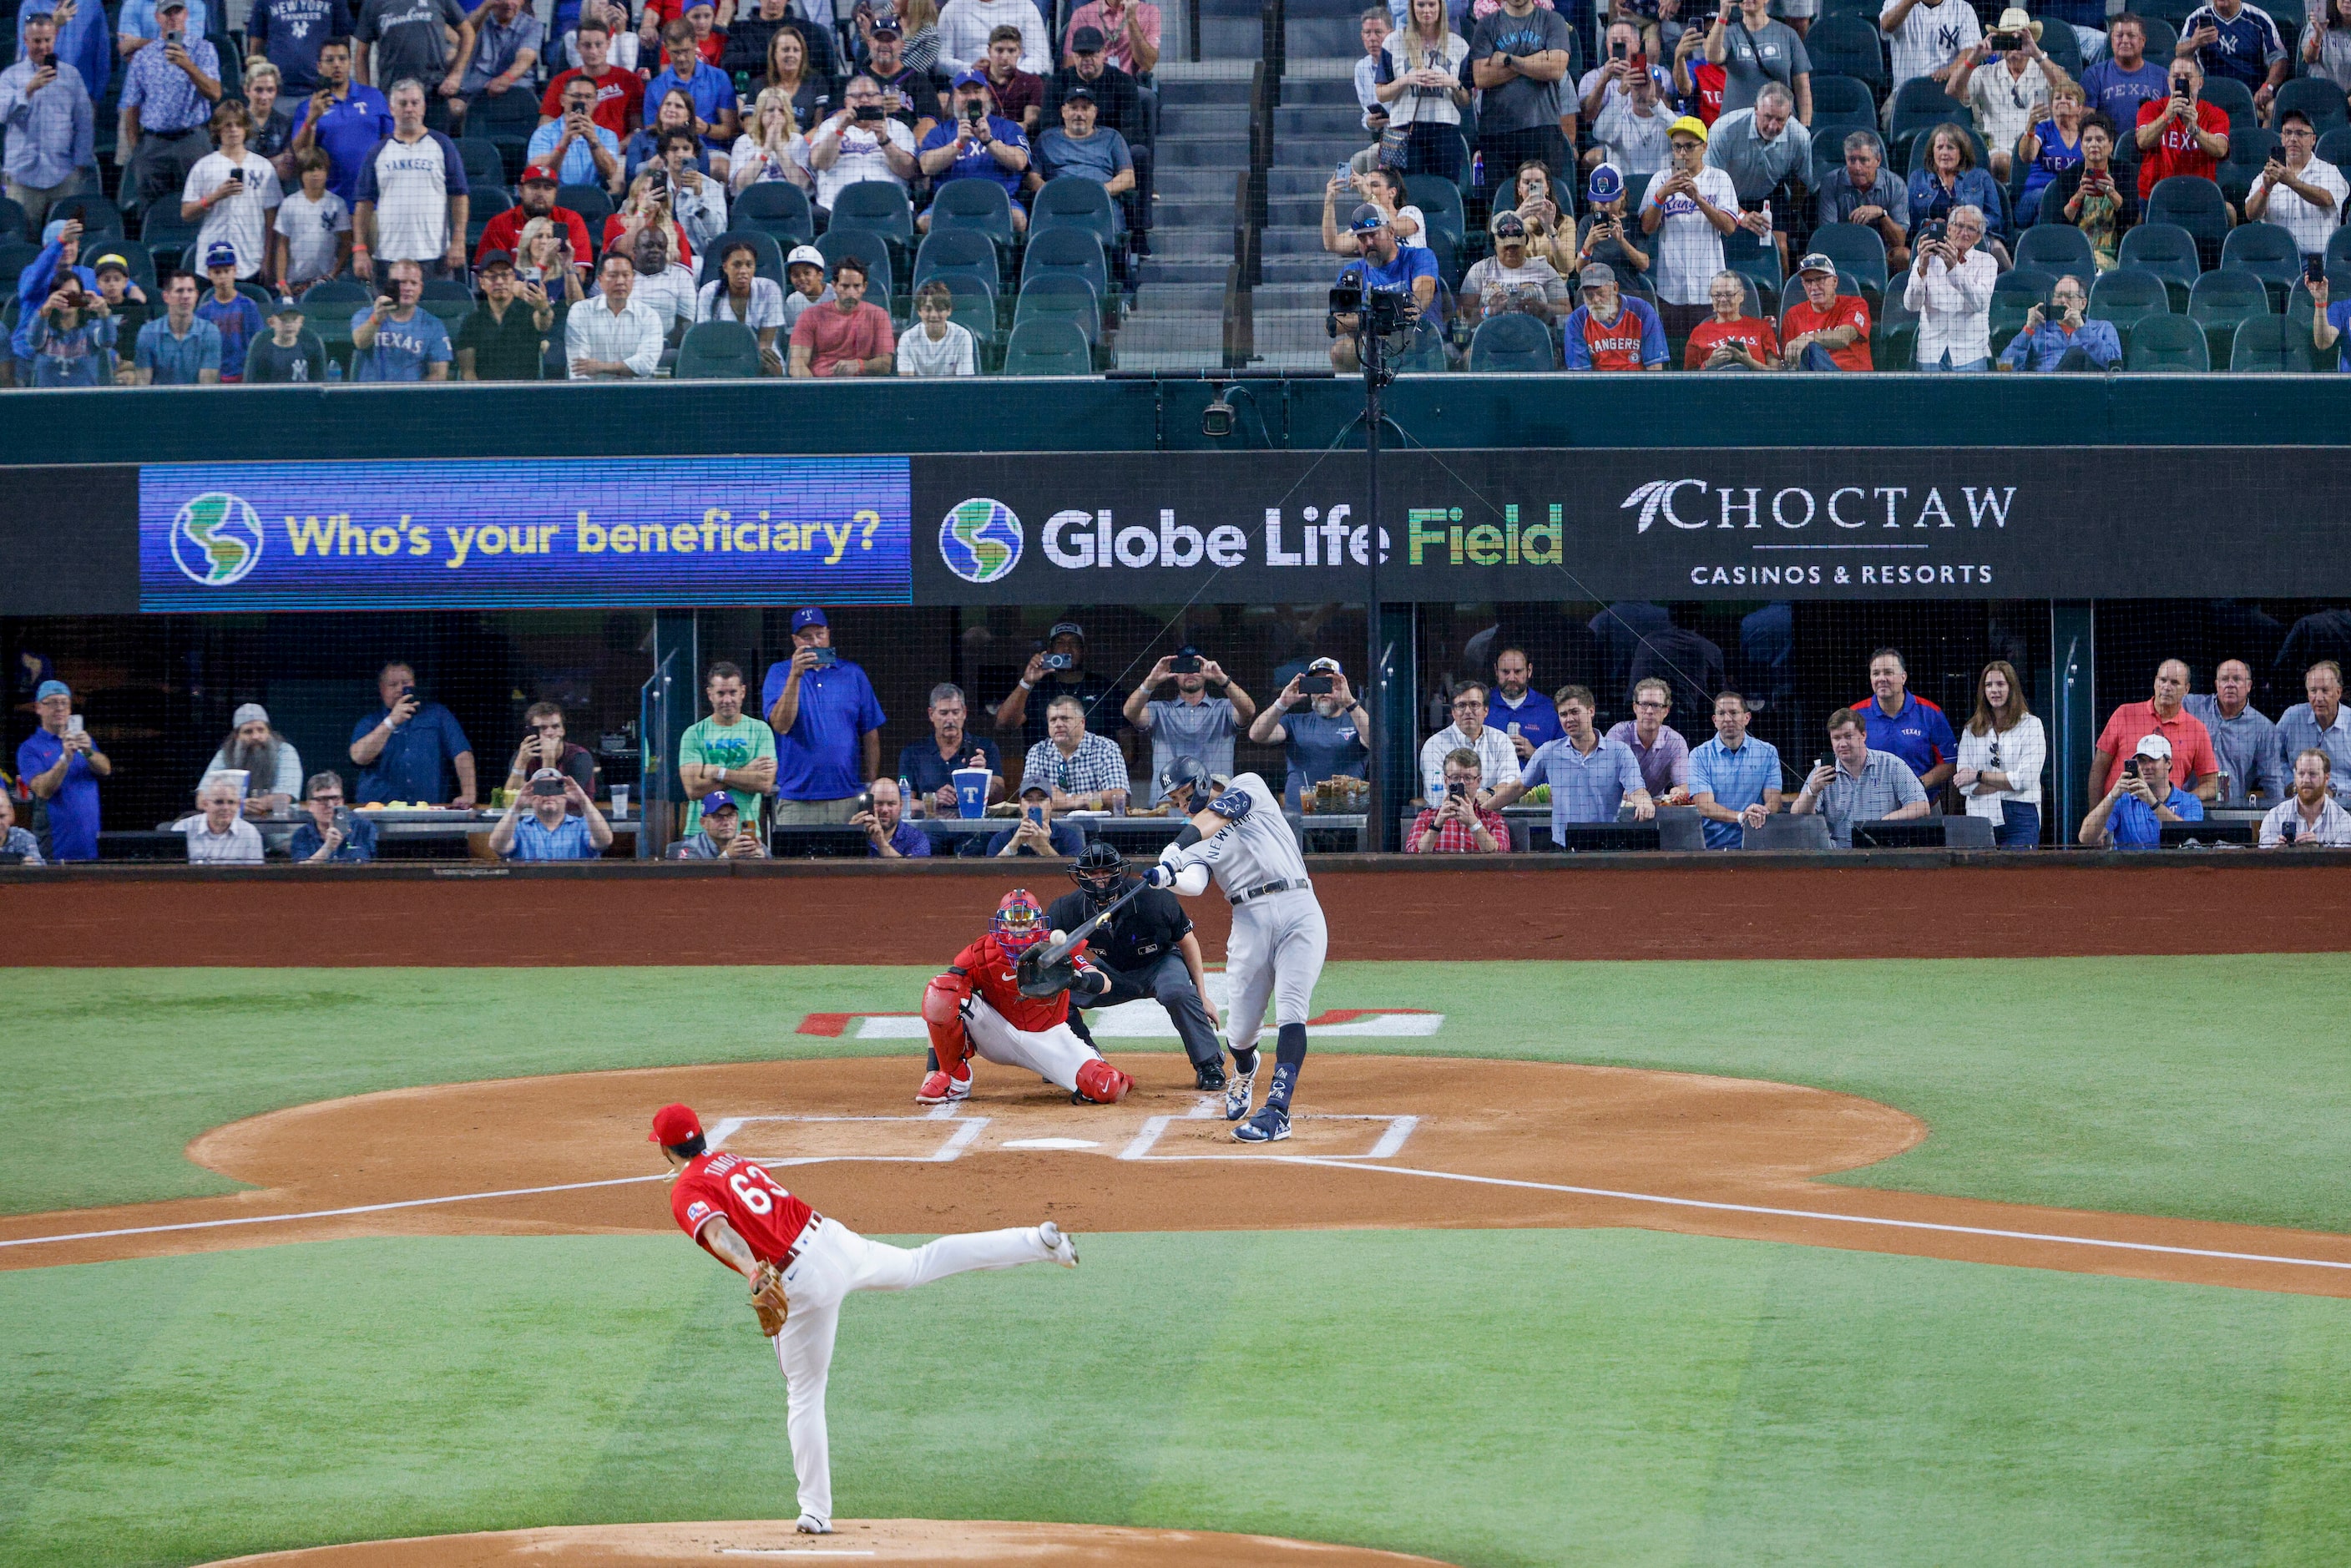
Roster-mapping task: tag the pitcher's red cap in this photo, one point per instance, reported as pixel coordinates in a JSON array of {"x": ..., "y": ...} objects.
[{"x": 672, "y": 1125}]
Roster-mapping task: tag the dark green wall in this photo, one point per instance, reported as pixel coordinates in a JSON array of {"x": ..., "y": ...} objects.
[{"x": 167, "y": 424}]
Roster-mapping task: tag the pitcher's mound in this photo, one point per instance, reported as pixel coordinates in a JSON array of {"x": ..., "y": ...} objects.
[{"x": 880, "y": 1542}]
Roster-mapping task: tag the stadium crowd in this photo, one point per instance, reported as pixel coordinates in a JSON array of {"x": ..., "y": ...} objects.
[
  {"x": 1065, "y": 749},
  {"x": 447, "y": 194},
  {"x": 1837, "y": 186}
]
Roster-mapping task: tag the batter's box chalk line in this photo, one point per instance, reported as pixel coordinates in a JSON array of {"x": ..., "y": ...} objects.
[{"x": 967, "y": 1132}]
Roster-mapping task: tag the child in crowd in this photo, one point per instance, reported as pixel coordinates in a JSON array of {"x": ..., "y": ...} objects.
[
  {"x": 939, "y": 346},
  {"x": 313, "y": 237},
  {"x": 804, "y": 270},
  {"x": 238, "y": 318}
]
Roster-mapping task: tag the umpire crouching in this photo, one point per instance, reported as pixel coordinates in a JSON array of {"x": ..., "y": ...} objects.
[{"x": 1146, "y": 950}]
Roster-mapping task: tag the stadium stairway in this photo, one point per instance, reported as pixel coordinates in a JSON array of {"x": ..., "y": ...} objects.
[
  {"x": 1317, "y": 128},
  {"x": 1177, "y": 321}
]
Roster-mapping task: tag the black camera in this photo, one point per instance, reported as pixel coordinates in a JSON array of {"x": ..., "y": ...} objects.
[
  {"x": 974, "y": 111},
  {"x": 1185, "y": 665},
  {"x": 1935, "y": 232},
  {"x": 2130, "y": 768},
  {"x": 2004, "y": 41},
  {"x": 1457, "y": 789},
  {"x": 869, "y": 112},
  {"x": 1314, "y": 686},
  {"x": 1379, "y": 311}
]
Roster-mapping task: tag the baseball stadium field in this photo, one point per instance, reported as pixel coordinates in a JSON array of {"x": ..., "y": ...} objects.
[{"x": 1868, "y": 1262}]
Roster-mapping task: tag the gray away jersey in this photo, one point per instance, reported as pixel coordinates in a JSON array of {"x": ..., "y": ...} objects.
[{"x": 1257, "y": 849}]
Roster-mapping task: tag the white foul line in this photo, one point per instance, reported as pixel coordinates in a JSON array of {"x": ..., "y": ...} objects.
[
  {"x": 332, "y": 1213},
  {"x": 1817, "y": 1214}
]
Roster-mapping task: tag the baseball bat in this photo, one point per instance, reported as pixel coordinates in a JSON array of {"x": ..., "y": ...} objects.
[{"x": 1059, "y": 950}]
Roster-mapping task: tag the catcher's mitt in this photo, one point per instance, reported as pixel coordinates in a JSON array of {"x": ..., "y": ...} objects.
[
  {"x": 767, "y": 1300},
  {"x": 1038, "y": 979}
]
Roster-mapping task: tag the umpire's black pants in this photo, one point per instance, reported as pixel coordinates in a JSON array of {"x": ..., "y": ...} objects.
[{"x": 1167, "y": 982}]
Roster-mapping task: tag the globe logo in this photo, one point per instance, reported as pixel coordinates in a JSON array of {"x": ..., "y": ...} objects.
[
  {"x": 217, "y": 540},
  {"x": 981, "y": 540}
]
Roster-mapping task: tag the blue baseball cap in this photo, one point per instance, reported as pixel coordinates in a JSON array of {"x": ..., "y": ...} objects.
[
  {"x": 1365, "y": 218},
  {"x": 811, "y": 616},
  {"x": 972, "y": 79},
  {"x": 718, "y": 801},
  {"x": 220, "y": 253},
  {"x": 52, "y": 689},
  {"x": 53, "y": 232},
  {"x": 1605, "y": 184}
]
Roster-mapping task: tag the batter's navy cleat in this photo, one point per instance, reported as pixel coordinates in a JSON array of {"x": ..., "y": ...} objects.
[
  {"x": 1270, "y": 1125},
  {"x": 1208, "y": 1074},
  {"x": 939, "y": 1087},
  {"x": 1063, "y": 1249},
  {"x": 1237, "y": 1095},
  {"x": 810, "y": 1524}
]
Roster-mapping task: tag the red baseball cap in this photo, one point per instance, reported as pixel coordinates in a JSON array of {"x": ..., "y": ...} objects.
[
  {"x": 672, "y": 1125},
  {"x": 539, "y": 174}
]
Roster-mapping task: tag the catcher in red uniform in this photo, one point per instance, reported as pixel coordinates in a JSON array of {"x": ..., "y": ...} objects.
[{"x": 996, "y": 1001}]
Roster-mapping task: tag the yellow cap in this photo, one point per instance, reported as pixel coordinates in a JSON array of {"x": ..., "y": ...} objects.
[{"x": 1690, "y": 122}]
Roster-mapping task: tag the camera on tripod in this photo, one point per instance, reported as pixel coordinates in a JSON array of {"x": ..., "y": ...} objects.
[{"x": 1381, "y": 311}]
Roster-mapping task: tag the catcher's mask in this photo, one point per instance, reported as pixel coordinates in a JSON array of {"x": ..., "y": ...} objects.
[
  {"x": 1100, "y": 871},
  {"x": 1018, "y": 922}
]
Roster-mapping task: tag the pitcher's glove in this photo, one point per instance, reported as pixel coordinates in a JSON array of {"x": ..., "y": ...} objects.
[
  {"x": 767, "y": 1300},
  {"x": 1038, "y": 979}
]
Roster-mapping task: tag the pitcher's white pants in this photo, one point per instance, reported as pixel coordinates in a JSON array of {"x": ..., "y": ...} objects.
[
  {"x": 1056, "y": 1054},
  {"x": 835, "y": 1261}
]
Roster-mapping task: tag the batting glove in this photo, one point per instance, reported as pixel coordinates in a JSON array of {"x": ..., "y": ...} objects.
[{"x": 1158, "y": 876}]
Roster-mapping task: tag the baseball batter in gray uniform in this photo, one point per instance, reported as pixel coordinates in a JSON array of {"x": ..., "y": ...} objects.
[{"x": 1278, "y": 938}]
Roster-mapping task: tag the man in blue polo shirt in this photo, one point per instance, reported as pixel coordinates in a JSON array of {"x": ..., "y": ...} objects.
[
  {"x": 973, "y": 144},
  {"x": 563, "y": 824},
  {"x": 344, "y": 118},
  {"x": 61, "y": 765},
  {"x": 1734, "y": 781},
  {"x": 928, "y": 767},
  {"x": 2130, "y": 815},
  {"x": 1385, "y": 266},
  {"x": 1514, "y": 709},
  {"x": 828, "y": 726},
  {"x": 888, "y": 835},
  {"x": 1909, "y": 726},
  {"x": 401, "y": 751}
]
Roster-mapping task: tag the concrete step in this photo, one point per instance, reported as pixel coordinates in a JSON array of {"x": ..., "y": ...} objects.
[
  {"x": 1228, "y": 151},
  {"x": 1316, "y": 119},
  {"x": 1305, "y": 93},
  {"x": 1180, "y": 299},
  {"x": 1172, "y": 245},
  {"x": 1292, "y": 240},
  {"x": 1214, "y": 90},
  {"x": 1206, "y": 270},
  {"x": 1326, "y": 149},
  {"x": 1214, "y": 213},
  {"x": 1334, "y": 36}
]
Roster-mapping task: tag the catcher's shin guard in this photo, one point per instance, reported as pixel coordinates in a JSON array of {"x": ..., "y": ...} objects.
[
  {"x": 943, "y": 1002},
  {"x": 1104, "y": 1085}
]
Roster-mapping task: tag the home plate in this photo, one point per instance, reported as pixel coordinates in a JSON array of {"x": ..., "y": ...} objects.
[{"x": 1049, "y": 1144}]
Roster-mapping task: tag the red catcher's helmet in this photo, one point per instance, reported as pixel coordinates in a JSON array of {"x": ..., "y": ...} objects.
[{"x": 1018, "y": 922}]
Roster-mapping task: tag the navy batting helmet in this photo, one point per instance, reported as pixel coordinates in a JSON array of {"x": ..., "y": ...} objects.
[{"x": 1185, "y": 773}]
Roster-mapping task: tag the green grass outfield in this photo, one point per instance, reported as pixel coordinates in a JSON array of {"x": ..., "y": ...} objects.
[{"x": 1489, "y": 1397}]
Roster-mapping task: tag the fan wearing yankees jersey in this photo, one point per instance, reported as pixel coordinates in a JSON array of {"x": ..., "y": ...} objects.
[
  {"x": 743, "y": 1216},
  {"x": 1275, "y": 952}
]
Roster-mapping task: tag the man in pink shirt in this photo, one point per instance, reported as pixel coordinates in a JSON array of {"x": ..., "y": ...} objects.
[
  {"x": 847, "y": 336},
  {"x": 1130, "y": 30},
  {"x": 2194, "y": 765}
]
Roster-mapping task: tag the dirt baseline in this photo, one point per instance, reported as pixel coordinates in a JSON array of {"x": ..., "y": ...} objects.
[
  {"x": 1379, "y": 1141},
  {"x": 884, "y": 1541}
]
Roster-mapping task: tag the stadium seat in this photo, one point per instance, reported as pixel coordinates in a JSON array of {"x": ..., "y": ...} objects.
[
  {"x": 2272, "y": 345},
  {"x": 2171, "y": 343},
  {"x": 593, "y": 205},
  {"x": 879, "y": 205},
  {"x": 164, "y": 232},
  {"x": 769, "y": 257},
  {"x": 2167, "y": 251},
  {"x": 1046, "y": 348},
  {"x": 496, "y": 115},
  {"x": 1063, "y": 297},
  {"x": 488, "y": 202},
  {"x": 979, "y": 204},
  {"x": 1440, "y": 201},
  {"x": 2316, "y": 97},
  {"x": 2196, "y": 206},
  {"x": 2222, "y": 301},
  {"x": 2268, "y": 252},
  {"x": 1758, "y": 262},
  {"x": 1074, "y": 252},
  {"x": 1922, "y": 105},
  {"x": 2233, "y": 98},
  {"x": 483, "y": 165},
  {"x": 2055, "y": 249},
  {"x": 2334, "y": 146},
  {"x": 1855, "y": 248},
  {"x": 1075, "y": 201},
  {"x": 2338, "y": 258},
  {"x": 1840, "y": 95},
  {"x": 2064, "y": 50},
  {"x": 1512, "y": 341},
  {"x": 2248, "y": 150},
  {"x": 2126, "y": 295},
  {"x": 718, "y": 350},
  {"x": 14, "y": 222},
  {"x": 327, "y": 309},
  {"x": 1423, "y": 354},
  {"x": 777, "y": 208},
  {"x": 872, "y": 249},
  {"x": 1849, "y": 46},
  {"x": 965, "y": 253},
  {"x": 16, "y": 255},
  {"x": 446, "y": 300}
]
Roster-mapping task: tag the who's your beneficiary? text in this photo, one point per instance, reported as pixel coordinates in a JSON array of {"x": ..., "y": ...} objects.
[{"x": 718, "y": 533}]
